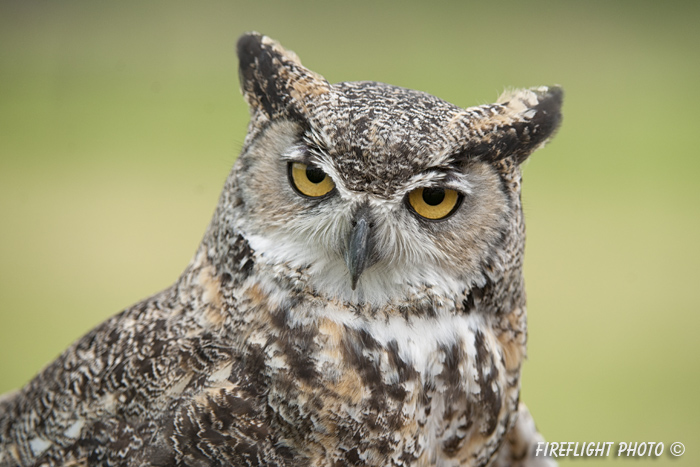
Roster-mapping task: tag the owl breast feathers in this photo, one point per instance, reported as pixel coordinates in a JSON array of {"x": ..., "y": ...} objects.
[{"x": 356, "y": 300}]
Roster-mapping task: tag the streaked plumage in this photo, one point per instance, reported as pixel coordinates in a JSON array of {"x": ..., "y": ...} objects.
[{"x": 321, "y": 325}]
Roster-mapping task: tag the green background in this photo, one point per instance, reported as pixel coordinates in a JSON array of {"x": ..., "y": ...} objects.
[{"x": 120, "y": 121}]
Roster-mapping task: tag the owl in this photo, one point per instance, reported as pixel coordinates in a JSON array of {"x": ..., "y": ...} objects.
[{"x": 357, "y": 298}]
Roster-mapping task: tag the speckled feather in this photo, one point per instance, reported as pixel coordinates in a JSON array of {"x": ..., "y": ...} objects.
[{"x": 262, "y": 353}]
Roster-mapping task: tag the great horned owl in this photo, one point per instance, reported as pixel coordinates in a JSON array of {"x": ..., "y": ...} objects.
[{"x": 356, "y": 300}]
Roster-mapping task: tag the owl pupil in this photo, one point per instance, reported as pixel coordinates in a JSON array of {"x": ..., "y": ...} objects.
[
  {"x": 433, "y": 196},
  {"x": 314, "y": 174}
]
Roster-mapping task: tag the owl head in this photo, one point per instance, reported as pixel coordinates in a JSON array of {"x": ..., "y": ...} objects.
[{"x": 370, "y": 193}]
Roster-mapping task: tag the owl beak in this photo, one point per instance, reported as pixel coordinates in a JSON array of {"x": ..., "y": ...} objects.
[{"x": 359, "y": 248}]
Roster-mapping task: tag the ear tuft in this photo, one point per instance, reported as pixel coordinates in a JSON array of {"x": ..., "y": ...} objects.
[
  {"x": 249, "y": 48},
  {"x": 518, "y": 124},
  {"x": 272, "y": 78},
  {"x": 535, "y": 114},
  {"x": 541, "y": 106}
]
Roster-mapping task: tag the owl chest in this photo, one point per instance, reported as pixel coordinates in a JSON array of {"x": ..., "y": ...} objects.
[{"x": 418, "y": 389}]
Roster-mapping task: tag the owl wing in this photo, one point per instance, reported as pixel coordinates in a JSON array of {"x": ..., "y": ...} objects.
[{"x": 158, "y": 384}]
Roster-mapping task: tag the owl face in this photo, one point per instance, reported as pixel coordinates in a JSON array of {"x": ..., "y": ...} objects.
[{"x": 370, "y": 193}]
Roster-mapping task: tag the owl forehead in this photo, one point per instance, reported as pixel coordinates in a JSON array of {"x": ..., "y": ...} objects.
[{"x": 379, "y": 136}]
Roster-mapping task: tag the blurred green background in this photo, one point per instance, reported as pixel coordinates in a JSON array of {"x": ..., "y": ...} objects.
[{"x": 119, "y": 122}]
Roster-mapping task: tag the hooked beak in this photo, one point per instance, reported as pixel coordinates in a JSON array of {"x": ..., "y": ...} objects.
[{"x": 358, "y": 255}]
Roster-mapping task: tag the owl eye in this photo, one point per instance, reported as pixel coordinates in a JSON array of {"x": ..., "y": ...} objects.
[
  {"x": 310, "y": 181},
  {"x": 434, "y": 203}
]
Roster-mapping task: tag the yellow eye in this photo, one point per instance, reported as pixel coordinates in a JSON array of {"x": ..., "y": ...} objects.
[
  {"x": 309, "y": 180},
  {"x": 434, "y": 203}
]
